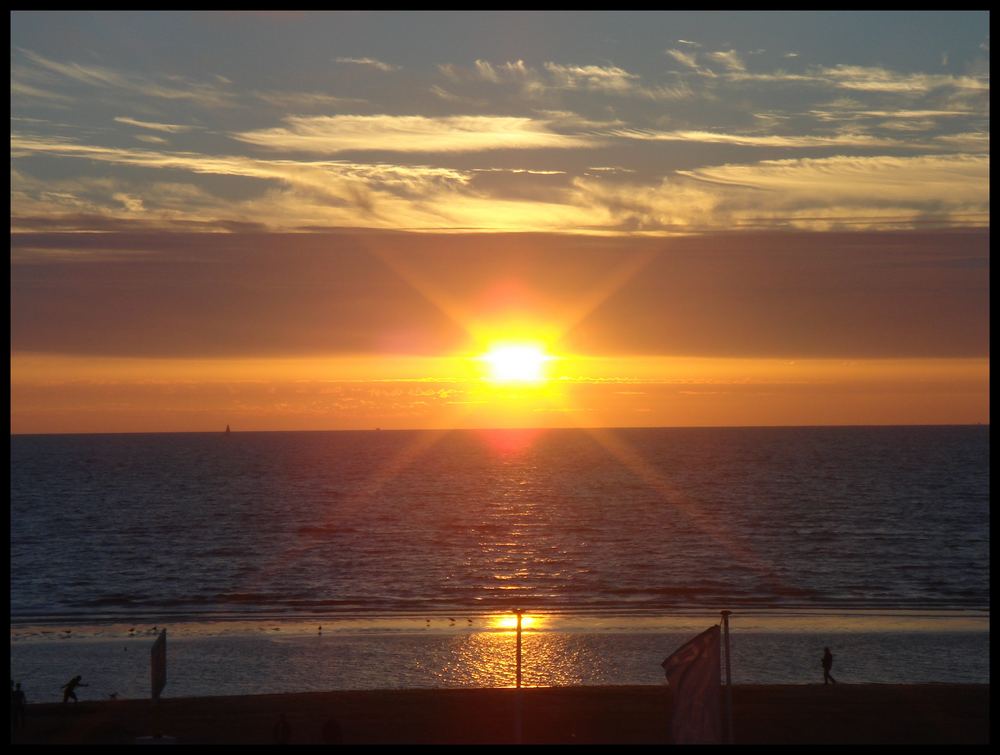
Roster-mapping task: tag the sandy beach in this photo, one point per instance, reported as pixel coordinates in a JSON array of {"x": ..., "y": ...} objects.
[{"x": 778, "y": 714}]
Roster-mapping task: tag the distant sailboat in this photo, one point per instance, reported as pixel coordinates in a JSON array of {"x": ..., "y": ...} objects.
[{"x": 227, "y": 430}]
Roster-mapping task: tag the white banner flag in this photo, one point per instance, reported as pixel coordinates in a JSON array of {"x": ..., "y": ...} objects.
[{"x": 693, "y": 674}]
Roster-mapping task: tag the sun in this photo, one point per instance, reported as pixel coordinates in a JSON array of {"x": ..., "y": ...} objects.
[{"x": 516, "y": 363}]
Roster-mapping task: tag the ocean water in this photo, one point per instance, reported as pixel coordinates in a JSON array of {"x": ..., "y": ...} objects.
[{"x": 269, "y": 535}]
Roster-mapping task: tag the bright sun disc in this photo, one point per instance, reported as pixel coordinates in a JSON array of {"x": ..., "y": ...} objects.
[{"x": 520, "y": 363}]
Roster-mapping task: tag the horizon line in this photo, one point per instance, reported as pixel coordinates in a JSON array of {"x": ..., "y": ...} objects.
[{"x": 512, "y": 429}]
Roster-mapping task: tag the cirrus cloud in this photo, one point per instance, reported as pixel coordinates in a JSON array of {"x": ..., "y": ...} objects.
[
  {"x": 370, "y": 62},
  {"x": 411, "y": 133}
]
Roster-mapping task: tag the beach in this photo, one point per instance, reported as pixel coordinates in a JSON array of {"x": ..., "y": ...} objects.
[{"x": 762, "y": 714}]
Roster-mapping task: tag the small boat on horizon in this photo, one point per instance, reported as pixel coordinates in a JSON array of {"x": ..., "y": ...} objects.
[{"x": 227, "y": 430}]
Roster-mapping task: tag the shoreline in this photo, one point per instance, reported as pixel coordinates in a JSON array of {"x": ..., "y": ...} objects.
[
  {"x": 750, "y": 618},
  {"x": 762, "y": 714}
]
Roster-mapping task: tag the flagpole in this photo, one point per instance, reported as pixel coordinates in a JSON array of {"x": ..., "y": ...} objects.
[{"x": 729, "y": 680}]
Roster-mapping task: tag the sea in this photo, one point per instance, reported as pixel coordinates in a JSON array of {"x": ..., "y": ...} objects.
[{"x": 302, "y": 561}]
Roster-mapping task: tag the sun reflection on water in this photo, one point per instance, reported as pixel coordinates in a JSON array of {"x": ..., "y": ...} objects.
[
  {"x": 484, "y": 659},
  {"x": 488, "y": 659},
  {"x": 509, "y": 622}
]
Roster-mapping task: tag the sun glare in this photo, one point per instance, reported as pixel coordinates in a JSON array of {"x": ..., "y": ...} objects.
[
  {"x": 522, "y": 363},
  {"x": 509, "y": 621}
]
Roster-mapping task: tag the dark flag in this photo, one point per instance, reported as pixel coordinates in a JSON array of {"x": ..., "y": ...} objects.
[{"x": 693, "y": 674}]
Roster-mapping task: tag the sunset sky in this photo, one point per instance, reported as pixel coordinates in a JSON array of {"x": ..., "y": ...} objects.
[{"x": 285, "y": 221}]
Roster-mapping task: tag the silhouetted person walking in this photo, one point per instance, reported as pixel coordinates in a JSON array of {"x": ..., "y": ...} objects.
[
  {"x": 332, "y": 735},
  {"x": 69, "y": 688},
  {"x": 282, "y": 730},
  {"x": 19, "y": 706},
  {"x": 827, "y": 665}
]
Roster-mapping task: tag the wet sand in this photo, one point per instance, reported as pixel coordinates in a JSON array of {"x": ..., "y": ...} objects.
[{"x": 778, "y": 714}]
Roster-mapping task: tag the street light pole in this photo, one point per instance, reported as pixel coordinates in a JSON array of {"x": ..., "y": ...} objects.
[
  {"x": 519, "y": 612},
  {"x": 518, "y": 702},
  {"x": 729, "y": 680}
]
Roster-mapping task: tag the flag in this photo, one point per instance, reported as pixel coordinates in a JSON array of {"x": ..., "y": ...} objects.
[{"x": 693, "y": 674}]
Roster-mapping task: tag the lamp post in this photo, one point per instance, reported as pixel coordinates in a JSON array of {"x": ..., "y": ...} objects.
[
  {"x": 729, "y": 680},
  {"x": 519, "y": 613},
  {"x": 518, "y": 713}
]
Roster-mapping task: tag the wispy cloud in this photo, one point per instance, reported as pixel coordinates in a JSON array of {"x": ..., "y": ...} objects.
[
  {"x": 872, "y": 193},
  {"x": 442, "y": 93},
  {"x": 970, "y": 170},
  {"x": 496, "y": 73},
  {"x": 153, "y": 126},
  {"x": 688, "y": 59},
  {"x": 213, "y": 92},
  {"x": 150, "y": 139},
  {"x": 522, "y": 79},
  {"x": 864, "y": 79},
  {"x": 411, "y": 133},
  {"x": 370, "y": 62},
  {"x": 92, "y": 75},
  {"x": 299, "y": 177},
  {"x": 767, "y": 140},
  {"x": 730, "y": 66},
  {"x": 860, "y": 190},
  {"x": 593, "y": 78},
  {"x": 22, "y": 89},
  {"x": 853, "y": 112},
  {"x": 730, "y": 59},
  {"x": 555, "y": 77},
  {"x": 971, "y": 141},
  {"x": 303, "y": 100},
  {"x": 876, "y": 79},
  {"x": 813, "y": 193},
  {"x": 312, "y": 173},
  {"x": 304, "y": 194}
]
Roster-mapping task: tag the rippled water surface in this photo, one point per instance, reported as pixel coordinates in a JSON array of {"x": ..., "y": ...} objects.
[{"x": 194, "y": 526}]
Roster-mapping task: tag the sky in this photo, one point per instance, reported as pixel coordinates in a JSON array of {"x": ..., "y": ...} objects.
[{"x": 331, "y": 220}]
